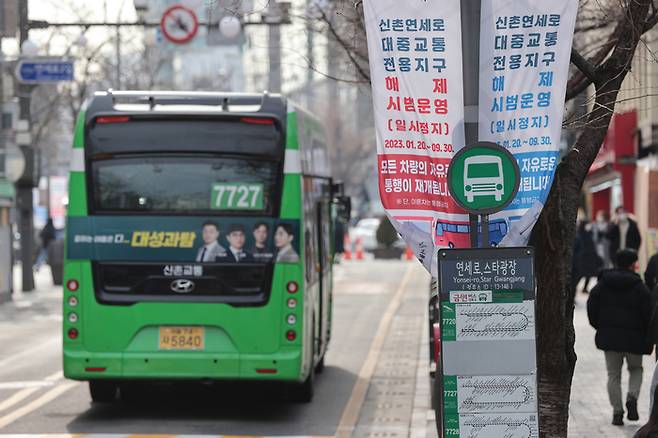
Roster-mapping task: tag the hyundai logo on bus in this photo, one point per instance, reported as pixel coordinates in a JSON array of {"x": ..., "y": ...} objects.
[
  {"x": 483, "y": 178},
  {"x": 182, "y": 286}
]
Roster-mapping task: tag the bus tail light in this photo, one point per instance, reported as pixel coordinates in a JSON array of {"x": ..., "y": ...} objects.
[
  {"x": 112, "y": 119},
  {"x": 73, "y": 333},
  {"x": 72, "y": 285},
  {"x": 291, "y": 319},
  {"x": 291, "y": 335},
  {"x": 73, "y": 317},
  {"x": 292, "y": 287},
  {"x": 257, "y": 121},
  {"x": 266, "y": 371},
  {"x": 292, "y": 303},
  {"x": 95, "y": 370},
  {"x": 73, "y": 301}
]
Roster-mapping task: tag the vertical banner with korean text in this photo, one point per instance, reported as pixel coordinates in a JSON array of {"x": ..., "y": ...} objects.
[
  {"x": 416, "y": 65},
  {"x": 525, "y": 50},
  {"x": 416, "y": 74}
]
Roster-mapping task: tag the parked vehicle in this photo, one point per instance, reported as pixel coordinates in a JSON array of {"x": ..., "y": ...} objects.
[{"x": 366, "y": 230}]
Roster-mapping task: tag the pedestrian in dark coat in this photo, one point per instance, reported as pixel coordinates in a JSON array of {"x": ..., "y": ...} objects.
[
  {"x": 588, "y": 264},
  {"x": 651, "y": 274},
  {"x": 624, "y": 233},
  {"x": 650, "y": 429},
  {"x": 619, "y": 308},
  {"x": 47, "y": 235}
]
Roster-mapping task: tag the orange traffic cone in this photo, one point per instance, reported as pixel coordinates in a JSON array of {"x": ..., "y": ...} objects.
[
  {"x": 359, "y": 249},
  {"x": 347, "y": 247},
  {"x": 408, "y": 253}
]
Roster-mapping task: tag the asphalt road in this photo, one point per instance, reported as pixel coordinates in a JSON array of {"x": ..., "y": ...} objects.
[{"x": 36, "y": 399}]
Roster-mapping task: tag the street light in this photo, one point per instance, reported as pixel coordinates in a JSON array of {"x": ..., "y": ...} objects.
[
  {"x": 230, "y": 27},
  {"x": 29, "y": 48},
  {"x": 81, "y": 41}
]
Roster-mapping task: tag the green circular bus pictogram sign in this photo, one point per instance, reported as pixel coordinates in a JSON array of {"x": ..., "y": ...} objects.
[{"x": 483, "y": 178}]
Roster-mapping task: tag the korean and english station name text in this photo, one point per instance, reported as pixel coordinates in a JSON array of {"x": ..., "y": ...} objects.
[{"x": 479, "y": 275}]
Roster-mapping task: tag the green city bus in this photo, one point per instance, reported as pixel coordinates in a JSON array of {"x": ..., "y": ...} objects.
[{"x": 199, "y": 242}]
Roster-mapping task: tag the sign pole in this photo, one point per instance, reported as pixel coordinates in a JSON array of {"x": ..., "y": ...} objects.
[
  {"x": 470, "y": 18},
  {"x": 25, "y": 185},
  {"x": 485, "y": 231}
]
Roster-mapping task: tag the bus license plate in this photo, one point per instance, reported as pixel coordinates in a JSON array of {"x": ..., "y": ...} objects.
[{"x": 182, "y": 338}]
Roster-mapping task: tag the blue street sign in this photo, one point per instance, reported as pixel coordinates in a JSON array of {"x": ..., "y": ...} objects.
[{"x": 39, "y": 71}]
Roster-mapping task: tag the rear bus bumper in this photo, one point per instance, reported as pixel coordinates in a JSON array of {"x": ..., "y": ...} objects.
[{"x": 83, "y": 365}]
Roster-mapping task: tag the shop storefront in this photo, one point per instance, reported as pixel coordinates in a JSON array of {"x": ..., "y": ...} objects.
[{"x": 611, "y": 179}]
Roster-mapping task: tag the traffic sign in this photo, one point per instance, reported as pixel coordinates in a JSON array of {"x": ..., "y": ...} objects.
[
  {"x": 179, "y": 24},
  {"x": 44, "y": 70},
  {"x": 483, "y": 178}
]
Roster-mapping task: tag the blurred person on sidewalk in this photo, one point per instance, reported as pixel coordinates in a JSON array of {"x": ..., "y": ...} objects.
[
  {"x": 47, "y": 235},
  {"x": 600, "y": 232},
  {"x": 588, "y": 264},
  {"x": 624, "y": 233},
  {"x": 650, "y": 429},
  {"x": 619, "y": 308},
  {"x": 651, "y": 273}
]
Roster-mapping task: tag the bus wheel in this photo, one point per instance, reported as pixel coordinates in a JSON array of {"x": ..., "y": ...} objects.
[
  {"x": 320, "y": 366},
  {"x": 102, "y": 391},
  {"x": 303, "y": 392}
]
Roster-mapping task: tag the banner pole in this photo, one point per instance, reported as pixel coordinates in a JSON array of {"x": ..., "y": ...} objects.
[
  {"x": 470, "y": 30},
  {"x": 485, "y": 231}
]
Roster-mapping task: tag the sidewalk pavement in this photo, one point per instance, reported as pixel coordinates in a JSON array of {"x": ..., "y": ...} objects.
[
  {"x": 590, "y": 413},
  {"x": 36, "y": 303}
]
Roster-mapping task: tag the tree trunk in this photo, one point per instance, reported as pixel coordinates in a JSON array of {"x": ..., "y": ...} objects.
[{"x": 555, "y": 232}]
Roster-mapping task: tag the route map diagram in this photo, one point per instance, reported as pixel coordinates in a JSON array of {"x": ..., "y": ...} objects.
[
  {"x": 498, "y": 426},
  {"x": 486, "y": 394},
  {"x": 482, "y": 322}
]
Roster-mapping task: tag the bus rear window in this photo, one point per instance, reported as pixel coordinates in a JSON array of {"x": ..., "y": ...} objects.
[{"x": 184, "y": 184}]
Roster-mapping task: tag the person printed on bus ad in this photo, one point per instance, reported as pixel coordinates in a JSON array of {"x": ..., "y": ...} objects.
[
  {"x": 236, "y": 239},
  {"x": 624, "y": 234},
  {"x": 260, "y": 250},
  {"x": 283, "y": 238},
  {"x": 211, "y": 250}
]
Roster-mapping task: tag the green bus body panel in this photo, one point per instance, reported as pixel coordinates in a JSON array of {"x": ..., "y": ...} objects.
[
  {"x": 292, "y": 141},
  {"x": 123, "y": 340},
  {"x": 79, "y": 135},
  {"x": 238, "y": 340},
  {"x": 77, "y": 194}
]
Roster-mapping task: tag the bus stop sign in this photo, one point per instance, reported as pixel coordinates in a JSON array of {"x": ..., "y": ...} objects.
[{"x": 483, "y": 178}]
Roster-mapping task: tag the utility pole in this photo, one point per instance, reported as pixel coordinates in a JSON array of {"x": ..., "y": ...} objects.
[
  {"x": 5, "y": 229},
  {"x": 274, "y": 51},
  {"x": 25, "y": 185}
]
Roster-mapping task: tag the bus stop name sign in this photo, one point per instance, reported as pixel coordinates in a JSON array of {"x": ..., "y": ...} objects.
[
  {"x": 40, "y": 71},
  {"x": 488, "y": 361}
]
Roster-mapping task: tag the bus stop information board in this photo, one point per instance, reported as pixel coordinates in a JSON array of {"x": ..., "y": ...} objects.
[{"x": 489, "y": 367}]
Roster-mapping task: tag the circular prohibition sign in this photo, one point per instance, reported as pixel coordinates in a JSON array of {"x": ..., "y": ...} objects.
[{"x": 179, "y": 24}]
